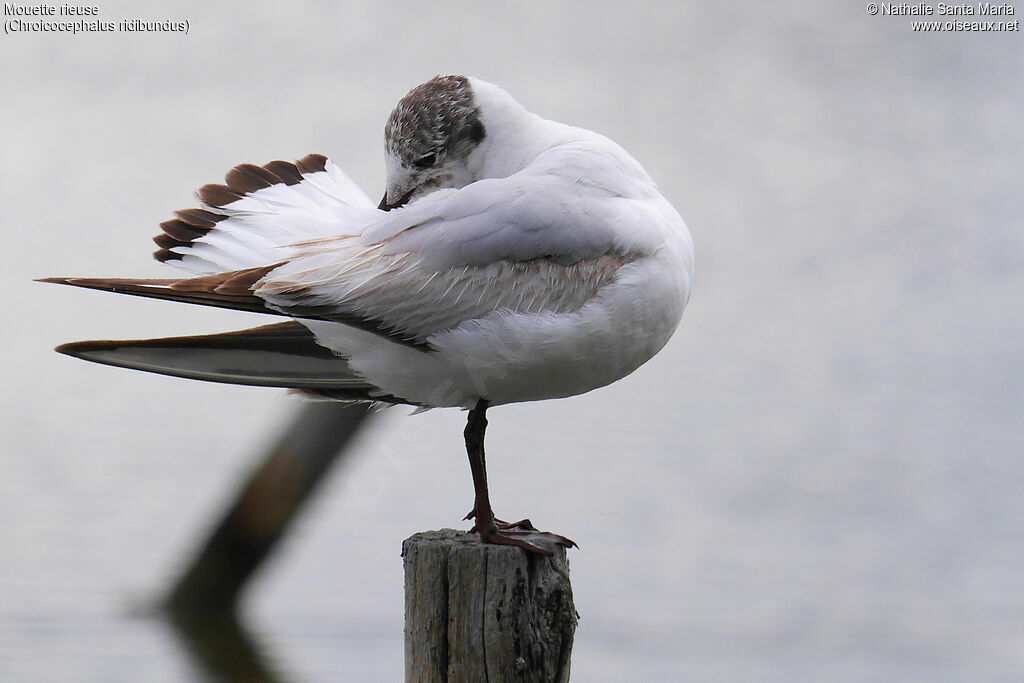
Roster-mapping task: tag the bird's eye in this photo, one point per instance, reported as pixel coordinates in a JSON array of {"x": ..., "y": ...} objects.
[{"x": 426, "y": 161}]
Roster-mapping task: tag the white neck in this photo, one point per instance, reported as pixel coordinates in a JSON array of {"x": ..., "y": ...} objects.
[{"x": 513, "y": 136}]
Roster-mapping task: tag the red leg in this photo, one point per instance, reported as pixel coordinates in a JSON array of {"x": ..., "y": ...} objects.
[{"x": 491, "y": 530}]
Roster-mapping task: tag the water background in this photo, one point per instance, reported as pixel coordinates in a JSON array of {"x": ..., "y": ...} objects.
[{"x": 820, "y": 476}]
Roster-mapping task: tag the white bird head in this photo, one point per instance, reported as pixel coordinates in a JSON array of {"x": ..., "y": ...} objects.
[{"x": 429, "y": 138}]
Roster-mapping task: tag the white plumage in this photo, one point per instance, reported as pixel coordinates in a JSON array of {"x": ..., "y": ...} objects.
[
  {"x": 561, "y": 276},
  {"x": 512, "y": 259}
]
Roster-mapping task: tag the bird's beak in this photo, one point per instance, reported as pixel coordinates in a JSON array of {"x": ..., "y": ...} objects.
[{"x": 385, "y": 206}]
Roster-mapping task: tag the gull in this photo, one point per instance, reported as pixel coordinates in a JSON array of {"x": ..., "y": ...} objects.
[{"x": 512, "y": 258}]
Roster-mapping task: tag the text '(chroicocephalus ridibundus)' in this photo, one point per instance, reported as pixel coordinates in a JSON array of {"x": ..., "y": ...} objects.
[{"x": 512, "y": 258}]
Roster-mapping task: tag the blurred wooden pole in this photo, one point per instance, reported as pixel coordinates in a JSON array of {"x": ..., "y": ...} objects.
[
  {"x": 264, "y": 507},
  {"x": 476, "y": 612},
  {"x": 223, "y": 648}
]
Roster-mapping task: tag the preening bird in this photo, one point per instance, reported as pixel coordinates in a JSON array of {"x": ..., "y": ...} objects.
[{"x": 512, "y": 258}]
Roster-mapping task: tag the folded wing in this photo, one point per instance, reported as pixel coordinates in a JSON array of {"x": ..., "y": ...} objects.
[
  {"x": 282, "y": 355},
  {"x": 514, "y": 245}
]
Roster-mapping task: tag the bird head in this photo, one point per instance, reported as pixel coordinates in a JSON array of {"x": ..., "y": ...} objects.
[{"x": 429, "y": 138}]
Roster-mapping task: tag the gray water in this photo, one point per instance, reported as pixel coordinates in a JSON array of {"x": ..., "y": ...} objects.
[{"x": 820, "y": 476}]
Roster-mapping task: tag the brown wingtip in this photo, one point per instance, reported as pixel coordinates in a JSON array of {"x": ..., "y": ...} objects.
[
  {"x": 246, "y": 178},
  {"x": 241, "y": 181},
  {"x": 104, "y": 283},
  {"x": 149, "y": 287},
  {"x": 312, "y": 163},
  {"x": 199, "y": 218},
  {"x": 163, "y": 256},
  {"x": 217, "y": 195},
  {"x": 287, "y": 171},
  {"x": 182, "y": 231},
  {"x": 66, "y": 349}
]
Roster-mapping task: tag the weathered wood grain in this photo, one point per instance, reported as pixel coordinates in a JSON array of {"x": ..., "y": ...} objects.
[{"x": 476, "y": 612}]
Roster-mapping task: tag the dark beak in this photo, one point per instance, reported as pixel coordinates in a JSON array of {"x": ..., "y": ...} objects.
[{"x": 384, "y": 206}]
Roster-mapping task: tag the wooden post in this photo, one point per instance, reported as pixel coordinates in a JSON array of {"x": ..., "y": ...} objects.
[{"x": 476, "y": 612}]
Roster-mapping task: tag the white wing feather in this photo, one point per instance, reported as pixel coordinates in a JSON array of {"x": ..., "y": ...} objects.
[{"x": 261, "y": 226}]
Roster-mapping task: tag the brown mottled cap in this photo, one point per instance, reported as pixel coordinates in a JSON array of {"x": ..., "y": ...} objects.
[{"x": 438, "y": 117}]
